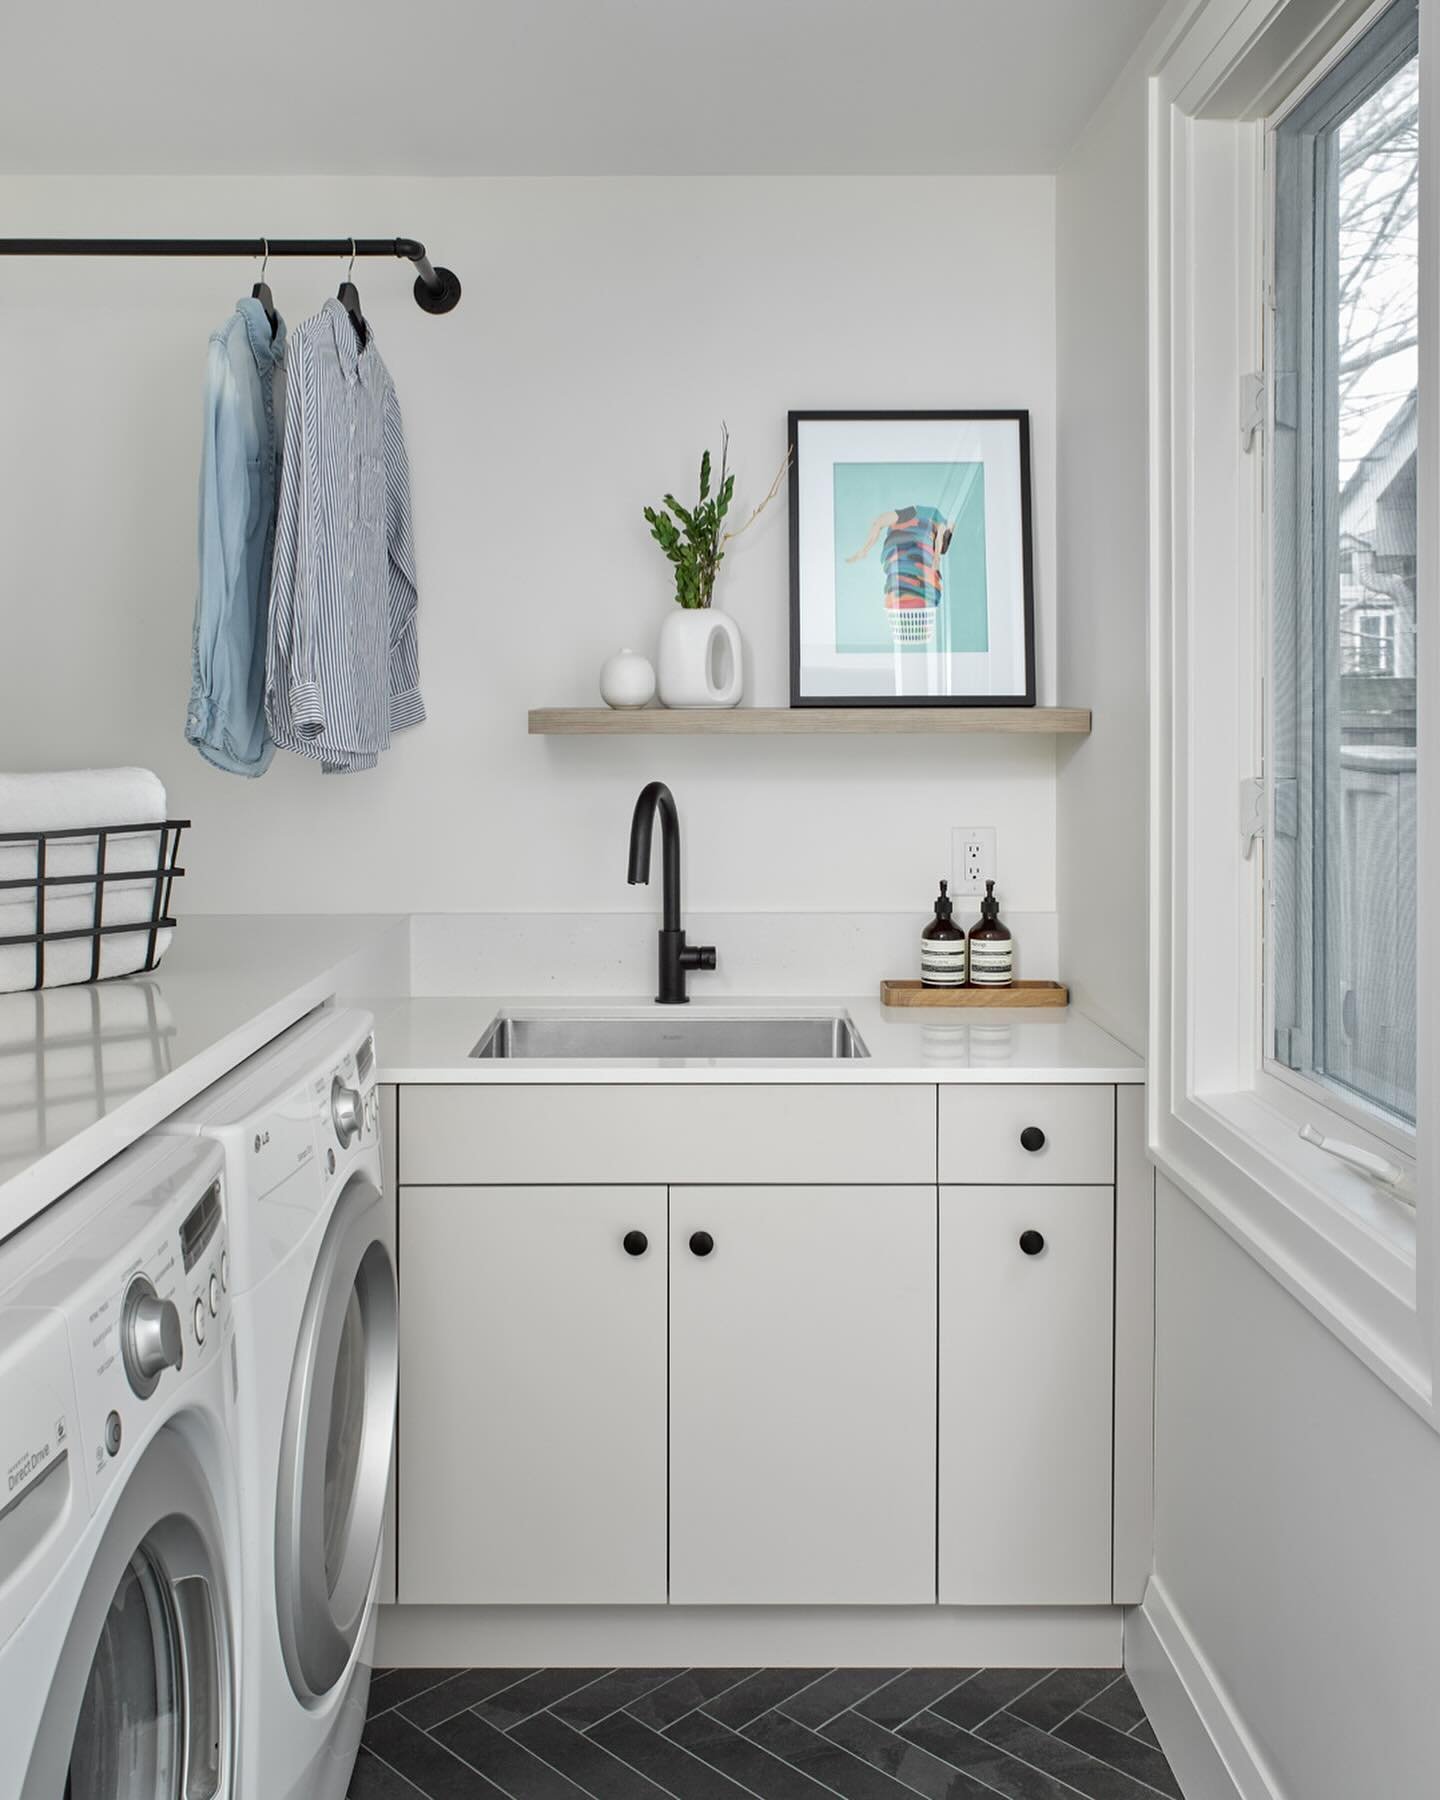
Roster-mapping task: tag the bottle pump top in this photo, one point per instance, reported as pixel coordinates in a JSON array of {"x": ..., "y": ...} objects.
[
  {"x": 989, "y": 906},
  {"x": 944, "y": 906}
]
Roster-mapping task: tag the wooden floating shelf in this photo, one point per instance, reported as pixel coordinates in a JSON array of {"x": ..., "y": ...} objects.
[{"x": 807, "y": 721}]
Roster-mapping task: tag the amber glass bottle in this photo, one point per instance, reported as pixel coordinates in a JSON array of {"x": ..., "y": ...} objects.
[
  {"x": 942, "y": 947},
  {"x": 992, "y": 948}
]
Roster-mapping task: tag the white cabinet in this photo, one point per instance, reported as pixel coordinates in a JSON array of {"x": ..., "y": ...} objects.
[
  {"x": 1026, "y": 1395},
  {"x": 532, "y": 1394},
  {"x": 802, "y": 1395},
  {"x": 757, "y": 1425}
]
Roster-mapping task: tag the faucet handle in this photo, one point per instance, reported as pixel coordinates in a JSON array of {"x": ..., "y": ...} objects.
[{"x": 698, "y": 956}]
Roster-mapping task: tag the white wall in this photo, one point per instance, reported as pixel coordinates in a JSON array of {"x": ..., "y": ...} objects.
[
  {"x": 1101, "y": 530},
  {"x": 1295, "y": 1496},
  {"x": 606, "y": 329},
  {"x": 1295, "y": 1517}
]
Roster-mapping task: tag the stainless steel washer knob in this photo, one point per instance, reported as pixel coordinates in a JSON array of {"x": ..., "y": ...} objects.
[
  {"x": 347, "y": 1112},
  {"x": 150, "y": 1336}
]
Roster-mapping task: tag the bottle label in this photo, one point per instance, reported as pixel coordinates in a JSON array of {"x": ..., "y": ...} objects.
[
  {"x": 992, "y": 962},
  {"x": 942, "y": 962}
]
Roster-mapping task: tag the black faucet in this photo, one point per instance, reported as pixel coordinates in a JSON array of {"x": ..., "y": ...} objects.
[{"x": 676, "y": 956}]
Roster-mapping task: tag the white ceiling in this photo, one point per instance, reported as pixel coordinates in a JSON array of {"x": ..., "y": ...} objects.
[{"x": 556, "y": 86}]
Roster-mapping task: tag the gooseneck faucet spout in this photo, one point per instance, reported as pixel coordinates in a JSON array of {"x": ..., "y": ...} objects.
[{"x": 677, "y": 958}]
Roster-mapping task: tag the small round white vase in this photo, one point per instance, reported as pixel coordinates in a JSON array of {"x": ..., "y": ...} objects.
[
  {"x": 701, "y": 658},
  {"x": 627, "y": 681}
]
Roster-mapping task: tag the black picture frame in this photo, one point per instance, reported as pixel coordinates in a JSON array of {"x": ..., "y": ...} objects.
[{"x": 1020, "y": 417}]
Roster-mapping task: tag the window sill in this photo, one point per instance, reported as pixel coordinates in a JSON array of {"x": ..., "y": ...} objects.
[{"x": 1341, "y": 1246}]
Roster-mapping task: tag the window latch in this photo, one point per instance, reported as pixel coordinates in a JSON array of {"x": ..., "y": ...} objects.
[
  {"x": 1254, "y": 802},
  {"x": 1252, "y": 814},
  {"x": 1252, "y": 409},
  {"x": 1374, "y": 1168}
]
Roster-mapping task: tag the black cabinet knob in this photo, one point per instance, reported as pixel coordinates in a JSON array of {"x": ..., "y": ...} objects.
[
  {"x": 1032, "y": 1138},
  {"x": 636, "y": 1243},
  {"x": 1031, "y": 1242},
  {"x": 701, "y": 1243}
]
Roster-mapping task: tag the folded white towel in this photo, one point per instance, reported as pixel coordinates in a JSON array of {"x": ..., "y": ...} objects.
[{"x": 71, "y": 800}]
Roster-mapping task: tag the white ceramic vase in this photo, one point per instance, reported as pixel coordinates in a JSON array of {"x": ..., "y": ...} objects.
[
  {"x": 701, "y": 658},
  {"x": 627, "y": 681}
]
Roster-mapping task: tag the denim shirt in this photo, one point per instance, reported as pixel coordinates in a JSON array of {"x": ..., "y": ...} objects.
[{"x": 244, "y": 414}]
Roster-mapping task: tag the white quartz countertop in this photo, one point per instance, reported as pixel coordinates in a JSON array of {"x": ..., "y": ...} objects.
[
  {"x": 422, "y": 1040},
  {"x": 85, "y": 1070}
]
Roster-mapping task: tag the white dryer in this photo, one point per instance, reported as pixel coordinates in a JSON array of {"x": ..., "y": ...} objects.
[
  {"x": 313, "y": 1290},
  {"x": 119, "y": 1555}
]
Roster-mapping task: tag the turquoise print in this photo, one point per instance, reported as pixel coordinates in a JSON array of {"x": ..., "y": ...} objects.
[{"x": 910, "y": 558}]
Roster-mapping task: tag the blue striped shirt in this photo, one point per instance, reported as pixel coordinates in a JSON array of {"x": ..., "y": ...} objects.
[{"x": 341, "y": 668}]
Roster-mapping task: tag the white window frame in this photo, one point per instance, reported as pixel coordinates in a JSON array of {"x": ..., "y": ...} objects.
[
  {"x": 1338, "y": 1115},
  {"x": 1222, "y": 1126}
]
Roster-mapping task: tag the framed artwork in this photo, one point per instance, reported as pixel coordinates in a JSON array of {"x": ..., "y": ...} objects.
[{"x": 911, "y": 581}]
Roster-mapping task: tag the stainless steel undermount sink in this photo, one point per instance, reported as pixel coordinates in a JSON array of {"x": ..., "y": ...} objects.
[{"x": 671, "y": 1035}]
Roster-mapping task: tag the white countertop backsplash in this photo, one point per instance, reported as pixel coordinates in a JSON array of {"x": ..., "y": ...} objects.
[
  {"x": 611, "y": 955},
  {"x": 84, "y": 1071}
]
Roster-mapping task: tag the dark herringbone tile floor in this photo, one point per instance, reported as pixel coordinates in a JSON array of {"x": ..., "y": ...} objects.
[{"x": 758, "y": 1734}]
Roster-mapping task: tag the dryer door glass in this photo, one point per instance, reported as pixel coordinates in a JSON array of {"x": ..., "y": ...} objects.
[
  {"x": 335, "y": 1452},
  {"x": 140, "y": 1703},
  {"x": 346, "y": 1436},
  {"x": 128, "y": 1740}
]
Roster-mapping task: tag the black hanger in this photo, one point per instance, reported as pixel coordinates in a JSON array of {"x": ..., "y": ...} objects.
[
  {"x": 261, "y": 292},
  {"x": 349, "y": 298}
]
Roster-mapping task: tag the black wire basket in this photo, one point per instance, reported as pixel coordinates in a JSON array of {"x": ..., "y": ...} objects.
[{"x": 42, "y": 885}]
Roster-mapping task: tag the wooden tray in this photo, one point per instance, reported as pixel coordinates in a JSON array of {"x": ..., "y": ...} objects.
[{"x": 1019, "y": 993}]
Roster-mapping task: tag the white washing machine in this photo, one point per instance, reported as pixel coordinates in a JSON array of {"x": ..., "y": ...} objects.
[
  {"x": 119, "y": 1516},
  {"x": 312, "y": 1285}
]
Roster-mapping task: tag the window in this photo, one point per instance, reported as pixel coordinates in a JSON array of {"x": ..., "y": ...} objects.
[
  {"x": 1341, "y": 765},
  {"x": 1368, "y": 647}
]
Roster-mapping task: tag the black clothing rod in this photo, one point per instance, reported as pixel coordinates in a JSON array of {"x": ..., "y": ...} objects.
[{"x": 437, "y": 290}]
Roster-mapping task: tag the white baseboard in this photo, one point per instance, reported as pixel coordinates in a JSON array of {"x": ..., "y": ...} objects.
[
  {"x": 1211, "y": 1751},
  {"x": 658, "y": 1637}
]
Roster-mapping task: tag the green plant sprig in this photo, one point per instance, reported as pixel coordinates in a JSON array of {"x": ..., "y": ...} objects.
[{"x": 694, "y": 538}]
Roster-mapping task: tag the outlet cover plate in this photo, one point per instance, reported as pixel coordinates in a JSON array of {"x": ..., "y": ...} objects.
[{"x": 972, "y": 859}]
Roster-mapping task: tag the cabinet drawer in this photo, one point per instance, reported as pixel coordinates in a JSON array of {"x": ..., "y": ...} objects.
[
  {"x": 606, "y": 1133},
  {"x": 987, "y": 1134}
]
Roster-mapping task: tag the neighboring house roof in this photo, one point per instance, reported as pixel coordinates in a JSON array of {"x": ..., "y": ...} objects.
[{"x": 1387, "y": 456}]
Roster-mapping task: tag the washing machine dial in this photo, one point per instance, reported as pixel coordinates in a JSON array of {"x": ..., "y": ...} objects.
[
  {"x": 150, "y": 1336},
  {"x": 346, "y": 1112}
]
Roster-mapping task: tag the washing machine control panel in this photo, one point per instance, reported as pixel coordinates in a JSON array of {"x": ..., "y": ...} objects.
[
  {"x": 347, "y": 1112},
  {"x": 132, "y": 1338},
  {"x": 150, "y": 1337},
  {"x": 353, "y": 1101}
]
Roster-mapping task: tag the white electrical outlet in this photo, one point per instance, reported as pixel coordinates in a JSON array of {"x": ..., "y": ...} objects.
[{"x": 972, "y": 858}]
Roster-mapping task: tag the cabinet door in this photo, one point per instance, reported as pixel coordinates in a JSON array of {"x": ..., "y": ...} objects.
[
  {"x": 1025, "y": 1395},
  {"x": 802, "y": 1395},
  {"x": 532, "y": 1395}
]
